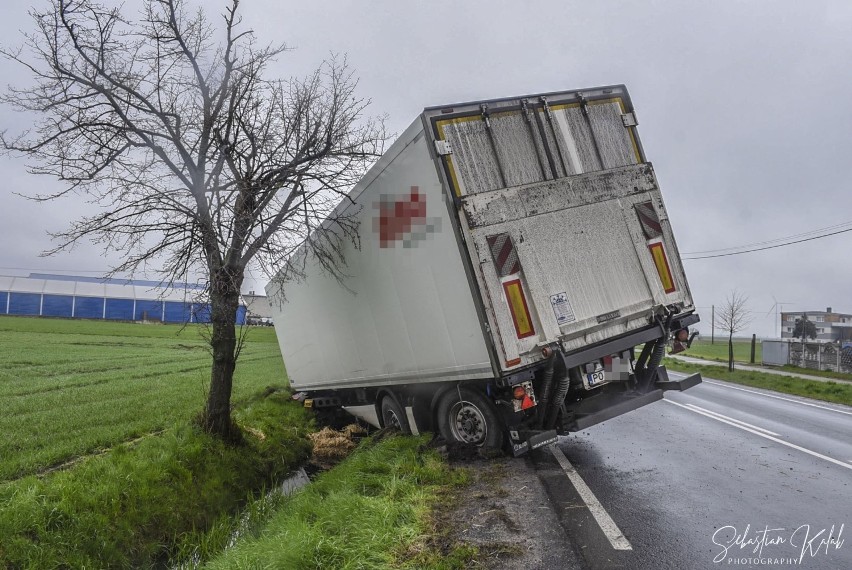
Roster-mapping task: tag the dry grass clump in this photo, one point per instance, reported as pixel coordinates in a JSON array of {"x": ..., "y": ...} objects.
[{"x": 332, "y": 446}]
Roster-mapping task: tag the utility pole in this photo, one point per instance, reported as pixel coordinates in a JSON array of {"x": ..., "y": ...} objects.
[
  {"x": 712, "y": 323},
  {"x": 753, "y": 342}
]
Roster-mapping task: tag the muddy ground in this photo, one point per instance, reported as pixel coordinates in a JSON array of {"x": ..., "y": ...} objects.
[{"x": 506, "y": 513}]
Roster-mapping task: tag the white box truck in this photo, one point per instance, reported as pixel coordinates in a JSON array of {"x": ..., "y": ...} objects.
[{"x": 516, "y": 277}]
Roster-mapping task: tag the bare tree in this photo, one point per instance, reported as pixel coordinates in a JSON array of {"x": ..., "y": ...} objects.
[
  {"x": 732, "y": 317},
  {"x": 199, "y": 163}
]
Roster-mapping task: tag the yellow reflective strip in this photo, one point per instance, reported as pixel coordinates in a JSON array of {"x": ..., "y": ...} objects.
[
  {"x": 607, "y": 101},
  {"x": 518, "y": 305},
  {"x": 635, "y": 146},
  {"x": 452, "y": 168},
  {"x": 564, "y": 106},
  {"x": 662, "y": 266}
]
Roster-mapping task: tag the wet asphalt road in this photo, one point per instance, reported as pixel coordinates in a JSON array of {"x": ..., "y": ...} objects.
[{"x": 683, "y": 478}]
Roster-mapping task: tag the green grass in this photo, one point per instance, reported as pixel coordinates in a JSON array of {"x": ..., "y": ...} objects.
[
  {"x": 827, "y": 391},
  {"x": 74, "y": 387},
  {"x": 742, "y": 353},
  {"x": 821, "y": 373},
  {"x": 702, "y": 348},
  {"x": 139, "y": 505},
  {"x": 372, "y": 511}
]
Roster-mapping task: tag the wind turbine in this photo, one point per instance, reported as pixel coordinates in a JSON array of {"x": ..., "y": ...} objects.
[{"x": 775, "y": 307}]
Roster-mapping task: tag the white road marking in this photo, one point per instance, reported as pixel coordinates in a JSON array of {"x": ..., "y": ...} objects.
[
  {"x": 608, "y": 526},
  {"x": 779, "y": 398},
  {"x": 769, "y": 437},
  {"x": 699, "y": 408}
]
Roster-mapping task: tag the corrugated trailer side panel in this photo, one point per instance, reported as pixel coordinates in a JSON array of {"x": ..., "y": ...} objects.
[{"x": 404, "y": 313}]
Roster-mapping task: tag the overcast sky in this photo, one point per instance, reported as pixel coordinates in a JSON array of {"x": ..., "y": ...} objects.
[{"x": 743, "y": 109}]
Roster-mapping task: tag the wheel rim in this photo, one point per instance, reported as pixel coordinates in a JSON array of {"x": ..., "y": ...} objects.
[
  {"x": 391, "y": 420},
  {"x": 468, "y": 423}
]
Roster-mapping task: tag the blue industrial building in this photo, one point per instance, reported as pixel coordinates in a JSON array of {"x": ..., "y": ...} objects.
[{"x": 69, "y": 296}]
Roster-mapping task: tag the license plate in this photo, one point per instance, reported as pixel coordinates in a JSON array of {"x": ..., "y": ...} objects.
[{"x": 595, "y": 379}]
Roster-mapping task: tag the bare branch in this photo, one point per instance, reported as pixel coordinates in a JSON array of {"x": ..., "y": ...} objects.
[{"x": 198, "y": 163}]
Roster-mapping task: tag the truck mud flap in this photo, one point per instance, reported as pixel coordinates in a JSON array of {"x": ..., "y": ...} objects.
[
  {"x": 529, "y": 440},
  {"x": 614, "y": 408},
  {"x": 680, "y": 385}
]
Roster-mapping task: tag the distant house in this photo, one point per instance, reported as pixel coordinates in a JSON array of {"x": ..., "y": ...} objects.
[
  {"x": 829, "y": 325},
  {"x": 258, "y": 308}
]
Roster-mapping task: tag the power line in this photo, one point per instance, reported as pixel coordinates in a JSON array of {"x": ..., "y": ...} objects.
[
  {"x": 768, "y": 246},
  {"x": 772, "y": 241}
]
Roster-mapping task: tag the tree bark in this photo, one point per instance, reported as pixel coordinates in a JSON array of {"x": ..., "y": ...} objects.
[
  {"x": 731, "y": 352},
  {"x": 224, "y": 302}
]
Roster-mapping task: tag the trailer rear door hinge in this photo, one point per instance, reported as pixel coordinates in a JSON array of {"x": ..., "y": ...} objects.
[
  {"x": 443, "y": 148},
  {"x": 629, "y": 119}
]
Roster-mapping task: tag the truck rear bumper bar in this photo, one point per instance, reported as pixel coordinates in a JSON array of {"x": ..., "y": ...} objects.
[
  {"x": 596, "y": 412},
  {"x": 627, "y": 404},
  {"x": 664, "y": 383}
]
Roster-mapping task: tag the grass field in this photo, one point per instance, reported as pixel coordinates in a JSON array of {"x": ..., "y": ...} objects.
[
  {"x": 702, "y": 348},
  {"x": 73, "y": 387},
  {"x": 840, "y": 393}
]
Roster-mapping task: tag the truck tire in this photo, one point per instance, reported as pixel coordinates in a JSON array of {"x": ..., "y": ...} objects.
[
  {"x": 466, "y": 416},
  {"x": 393, "y": 415}
]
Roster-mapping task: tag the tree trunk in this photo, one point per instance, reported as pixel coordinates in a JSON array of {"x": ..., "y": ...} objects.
[
  {"x": 731, "y": 352},
  {"x": 224, "y": 302}
]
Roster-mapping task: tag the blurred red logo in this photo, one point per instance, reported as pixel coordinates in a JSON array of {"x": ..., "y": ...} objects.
[{"x": 403, "y": 219}]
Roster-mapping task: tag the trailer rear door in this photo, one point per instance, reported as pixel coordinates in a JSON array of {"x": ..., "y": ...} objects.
[{"x": 564, "y": 221}]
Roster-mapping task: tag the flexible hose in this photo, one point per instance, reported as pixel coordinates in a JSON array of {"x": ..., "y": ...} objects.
[
  {"x": 654, "y": 362},
  {"x": 546, "y": 387},
  {"x": 561, "y": 391},
  {"x": 659, "y": 350}
]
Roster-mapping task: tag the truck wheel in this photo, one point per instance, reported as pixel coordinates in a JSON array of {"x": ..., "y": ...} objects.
[
  {"x": 466, "y": 416},
  {"x": 393, "y": 415}
]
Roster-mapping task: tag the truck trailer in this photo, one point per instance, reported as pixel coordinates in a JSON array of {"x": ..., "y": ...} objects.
[{"x": 516, "y": 278}]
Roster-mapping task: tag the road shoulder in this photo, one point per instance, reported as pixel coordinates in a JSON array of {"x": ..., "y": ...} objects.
[{"x": 507, "y": 515}]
